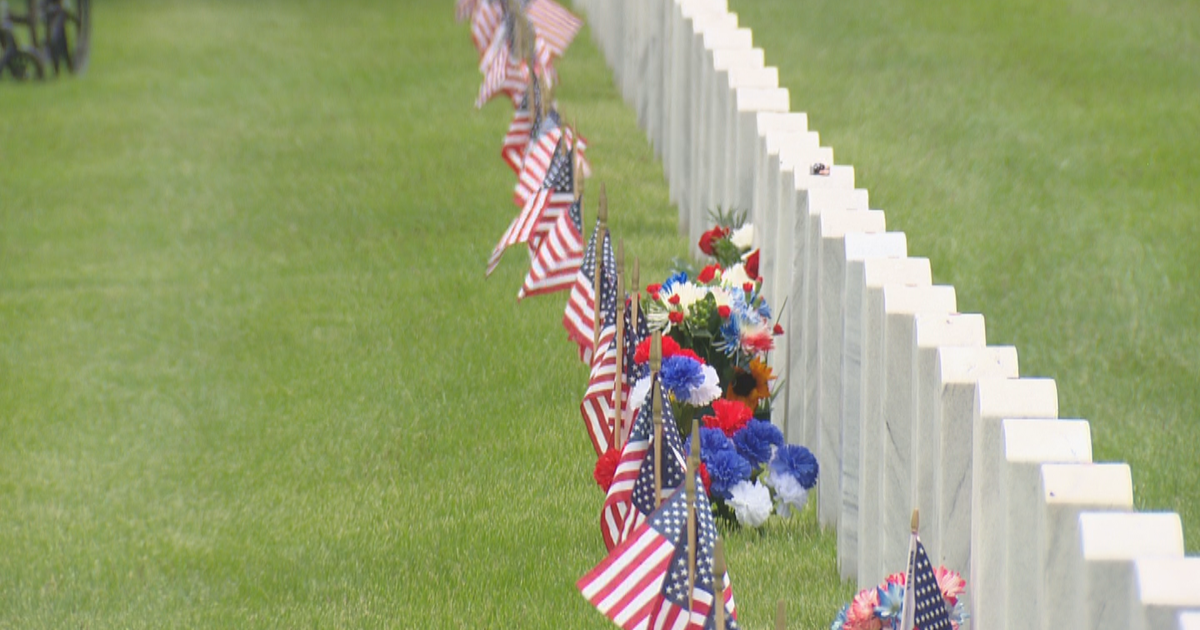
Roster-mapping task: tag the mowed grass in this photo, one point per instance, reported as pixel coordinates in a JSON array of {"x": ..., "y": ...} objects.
[
  {"x": 251, "y": 374},
  {"x": 1043, "y": 155}
]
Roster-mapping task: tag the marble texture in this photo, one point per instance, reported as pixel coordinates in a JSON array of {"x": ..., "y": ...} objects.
[
  {"x": 1027, "y": 444},
  {"x": 770, "y": 212},
  {"x": 1163, "y": 588},
  {"x": 1109, "y": 543}
]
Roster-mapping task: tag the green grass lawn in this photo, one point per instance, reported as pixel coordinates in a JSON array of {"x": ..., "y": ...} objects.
[
  {"x": 251, "y": 374},
  {"x": 1044, "y": 156}
]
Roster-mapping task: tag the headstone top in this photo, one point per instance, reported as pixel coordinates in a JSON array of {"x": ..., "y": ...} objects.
[
  {"x": 968, "y": 365},
  {"x": 950, "y": 329},
  {"x": 1129, "y": 535},
  {"x": 860, "y": 246},
  {"x": 1168, "y": 581},
  {"x": 1047, "y": 440},
  {"x": 1093, "y": 485}
]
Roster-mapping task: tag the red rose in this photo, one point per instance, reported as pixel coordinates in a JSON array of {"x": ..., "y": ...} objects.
[
  {"x": 674, "y": 299},
  {"x": 748, "y": 287},
  {"x": 708, "y": 273},
  {"x": 706, "y": 240},
  {"x": 778, "y": 330},
  {"x": 751, "y": 265},
  {"x": 724, "y": 311},
  {"x": 676, "y": 317},
  {"x": 606, "y": 468}
]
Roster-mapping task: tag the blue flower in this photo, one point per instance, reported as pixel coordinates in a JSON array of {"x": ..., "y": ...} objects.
[
  {"x": 678, "y": 278},
  {"x": 840, "y": 621},
  {"x": 680, "y": 375},
  {"x": 957, "y": 613},
  {"x": 711, "y": 441},
  {"x": 755, "y": 441},
  {"x": 891, "y": 602},
  {"x": 731, "y": 335},
  {"x": 726, "y": 468},
  {"x": 764, "y": 311},
  {"x": 797, "y": 461}
]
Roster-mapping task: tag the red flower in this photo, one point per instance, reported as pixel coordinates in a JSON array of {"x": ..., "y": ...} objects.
[
  {"x": 715, "y": 234},
  {"x": 674, "y": 299},
  {"x": 653, "y": 289},
  {"x": 731, "y": 416},
  {"x": 708, "y": 273},
  {"x": 676, "y": 317},
  {"x": 778, "y": 330},
  {"x": 606, "y": 468},
  {"x": 705, "y": 478},
  {"x": 724, "y": 311},
  {"x": 670, "y": 348},
  {"x": 751, "y": 265},
  {"x": 748, "y": 288}
]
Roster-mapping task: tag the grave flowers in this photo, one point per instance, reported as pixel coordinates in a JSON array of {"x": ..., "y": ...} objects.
[{"x": 881, "y": 607}]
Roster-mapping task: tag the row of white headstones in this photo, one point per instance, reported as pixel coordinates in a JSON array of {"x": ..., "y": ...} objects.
[{"x": 896, "y": 392}]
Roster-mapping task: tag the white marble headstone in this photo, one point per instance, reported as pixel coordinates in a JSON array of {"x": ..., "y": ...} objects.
[{"x": 1109, "y": 542}]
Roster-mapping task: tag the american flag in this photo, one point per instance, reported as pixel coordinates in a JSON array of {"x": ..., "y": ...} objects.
[
  {"x": 597, "y": 405},
  {"x": 555, "y": 196},
  {"x": 556, "y": 25},
  {"x": 504, "y": 67},
  {"x": 631, "y": 496},
  {"x": 634, "y": 372},
  {"x": 580, "y": 315},
  {"x": 924, "y": 608},
  {"x": 538, "y": 212},
  {"x": 547, "y": 131},
  {"x": 486, "y": 17},
  {"x": 643, "y": 583},
  {"x": 464, "y": 8},
  {"x": 525, "y": 119},
  {"x": 558, "y": 258}
]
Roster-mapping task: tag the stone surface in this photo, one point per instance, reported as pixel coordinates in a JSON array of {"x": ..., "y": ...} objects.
[
  {"x": 835, "y": 226},
  {"x": 1027, "y": 444},
  {"x": 901, "y": 305},
  {"x": 868, "y": 386},
  {"x": 772, "y": 215},
  {"x": 995, "y": 400},
  {"x": 1164, "y": 587},
  {"x": 771, "y": 125},
  {"x": 1189, "y": 620},
  {"x": 932, "y": 332},
  {"x": 959, "y": 371},
  {"x": 859, "y": 249},
  {"x": 1109, "y": 542}
]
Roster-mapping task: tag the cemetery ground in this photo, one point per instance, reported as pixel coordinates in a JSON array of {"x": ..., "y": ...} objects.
[{"x": 251, "y": 374}]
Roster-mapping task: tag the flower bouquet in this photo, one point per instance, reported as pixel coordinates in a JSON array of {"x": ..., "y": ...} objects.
[
  {"x": 747, "y": 469},
  {"x": 880, "y": 608}
]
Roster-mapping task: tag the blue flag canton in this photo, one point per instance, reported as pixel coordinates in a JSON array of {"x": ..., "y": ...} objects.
[
  {"x": 633, "y": 371},
  {"x": 607, "y": 292},
  {"x": 559, "y": 176},
  {"x": 576, "y": 214},
  {"x": 675, "y": 585},
  {"x": 673, "y": 470},
  {"x": 536, "y": 106},
  {"x": 930, "y": 613}
]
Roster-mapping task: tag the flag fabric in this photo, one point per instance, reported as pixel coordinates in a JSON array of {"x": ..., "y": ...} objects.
[
  {"x": 579, "y": 315},
  {"x": 463, "y": 9},
  {"x": 596, "y": 407},
  {"x": 504, "y": 67},
  {"x": 924, "y": 608},
  {"x": 548, "y": 131},
  {"x": 631, "y": 498},
  {"x": 545, "y": 203},
  {"x": 486, "y": 17},
  {"x": 557, "y": 260},
  {"x": 643, "y": 583},
  {"x": 634, "y": 371},
  {"x": 554, "y": 24},
  {"x": 525, "y": 119}
]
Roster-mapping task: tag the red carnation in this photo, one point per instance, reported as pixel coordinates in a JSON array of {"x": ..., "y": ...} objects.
[
  {"x": 706, "y": 240},
  {"x": 704, "y": 478},
  {"x": 731, "y": 416},
  {"x": 748, "y": 287},
  {"x": 674, "y": 299},
  {"x": 653, "y": 288},
  {"x": 724, "y": 311},
  {"x": 708, "y": 273},
  {"x": 751, "y": 265},
  {"x": 606, "y": 468},
  {"x": 778, "y": 330},
  {"x": 676, "y": 317}
]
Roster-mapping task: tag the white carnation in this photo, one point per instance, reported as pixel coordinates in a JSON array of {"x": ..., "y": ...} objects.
[
  {"x": 735, "y": 276},
  {"x": 742, "y": 237},
  {"x": 789, "y": 492},
  {"x": 751, "y": 502},
  {"x": 708, "y": 391}
]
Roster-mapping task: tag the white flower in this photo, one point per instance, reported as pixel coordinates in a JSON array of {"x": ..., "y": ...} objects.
[
  {"x": 708, "y": 391},
  {"x": 735, "y": 276},
  {"x": 637, "y": 396},
  {"x": 742, "y": 237},
  {"x": 720, "y": 296},
  {"x": 789, "y": 492},
  {"x": 751, "y": 502}
]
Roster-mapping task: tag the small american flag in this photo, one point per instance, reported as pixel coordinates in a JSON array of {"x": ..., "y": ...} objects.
[
  {"x": 525, "y": 119},
  {"x": 486, "y": 16},
  {"x": 556, "y": 25},
  {"x": 579, "y": 316},
  {"x": 532, "y": 219},
  {"x": 558, "y": 258},
  {"x": 504, "y": 67},
  {"x": 641, "y": 501},
  {"x": 596, "y": 407},
  {"x": 643, "y": 583},
  {"x": 535, "y": 166},
  {"x": 924, "y": 607}
]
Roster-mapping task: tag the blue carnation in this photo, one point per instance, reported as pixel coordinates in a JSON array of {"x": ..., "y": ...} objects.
[
  {"x": 680, "y": 375},
  {"x": 798, "y": 462},
  {"x": 725, "y": 469},
  {"x": 678, "y": 278},
  {"x": 755, "y": 441},
  {"x": 711, "y": 441},
  {"x": 839, "y": 622},
  {"x": 891, "y": 602},
  {"x": 764, "y": 311}
]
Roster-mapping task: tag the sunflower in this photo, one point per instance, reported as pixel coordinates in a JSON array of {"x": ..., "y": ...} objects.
[{"x": 752, "y": 385}]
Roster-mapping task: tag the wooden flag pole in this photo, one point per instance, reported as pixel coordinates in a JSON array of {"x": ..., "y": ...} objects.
[
  {"x": 598, "y": 276},
  {"x": 620, "y": 342},
  {"x": 693, "y": 465},
  {"x": 635, "y": 294},
  {"x": 656, "y": 409},
  {"x": 719, "y": 569},
  {"x": 916, "y": 520},
  {"x": 576, "y": 180},
  {"x": 780, "y": 615}
]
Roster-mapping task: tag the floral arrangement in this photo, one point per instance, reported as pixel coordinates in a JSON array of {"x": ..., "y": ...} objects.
[
  {"x": 720, "y": 317},
  {"x": 880, "y": 608},
  {"x": 747, "y": 469}
]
